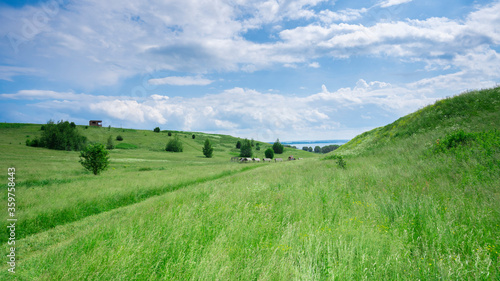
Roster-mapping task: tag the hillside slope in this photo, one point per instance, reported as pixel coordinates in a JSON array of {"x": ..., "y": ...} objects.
[{"x": 472, "y": 112}]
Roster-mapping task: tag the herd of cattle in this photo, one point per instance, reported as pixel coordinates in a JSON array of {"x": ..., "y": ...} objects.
[{"x": 246, "y": 159}]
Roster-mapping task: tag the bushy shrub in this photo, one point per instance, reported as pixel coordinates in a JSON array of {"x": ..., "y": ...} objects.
[
  {"x": 60, "y": 136},
  {"x": 246, "y": 149},
  {"x": 174, "y": 145},
  {"x": 269, "y": 153},
  {"x": 156, "y": 130},
  {"x": 238, "y": 144},
  {"x": 317, "y": 149},
  {"x": 119, "y": 138},
  {"x": 208, "y": 149},
  {"x": 95, "y": 158},
  {"x": 278, "y": 147},
  {"x": 339, "y": 160},
  {"x": 193, "y": 136},
  {"x": 169, "y": 134},
  {"x": 454, "y": 140}
]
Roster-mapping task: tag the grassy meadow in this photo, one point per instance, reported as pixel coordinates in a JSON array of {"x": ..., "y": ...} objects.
[{"x": 419, "y": 199}]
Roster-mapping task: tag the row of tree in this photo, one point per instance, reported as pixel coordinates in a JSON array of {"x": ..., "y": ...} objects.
[
  {"x": 324, "y": 149},
  {"x": 246, "y": 148}
]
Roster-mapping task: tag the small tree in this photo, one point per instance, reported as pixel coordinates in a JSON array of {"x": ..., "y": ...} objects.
[
  {"x": 94, "y": 158},
  {"x": 156, "y": 130},
  {"x": 257, "y": 146},
  {"x": 246, "y": 149},
  {"x": 208, "y": 150},
  {"x": 269, "y": 153},
  {"x": 317, "y": 149},
  {"x": 119, "y": 138},
  {"x": 193, "y": 136},
  {"x": 169, "y": 134},
  {"x": 110, "y": 144},
  {"x": 238, "y": 144},
  {"x": 174, "y": 145},
  {"x": 278, "y": 147}
]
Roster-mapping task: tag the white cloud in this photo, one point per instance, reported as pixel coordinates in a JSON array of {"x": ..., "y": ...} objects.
[
  {"x": 181, "y": 81},
  {"x": 389, "y": 3},
  {"x": 314, "y": 65}
]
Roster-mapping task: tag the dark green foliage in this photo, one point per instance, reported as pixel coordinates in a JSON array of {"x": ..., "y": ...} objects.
[
  {"x": 72, "y": 125},
  {"x": 329, "y": 148},
  {"x": 246, "y": 149},
  {"x": 481, "y": 148},
  {"x": 174, "y": 145},
  {"x": 126, "y": 146},
  {"x": 109, "y": 128},
  {"x": 208, "y": 150},
  {"x": 339, "y": 160},
  {"x": 119, "y": 138},
  {"x": 60, "y": 136},
  {"x": 317, "y": 149},
  {"x": 269, "y": 153},
  {"x": 42, "y": 128},
  {"x": 169, "y": 134},
  {"x": 310, "y": 149},
  {"x": 257, "y": 146},
  {"x": 305, "y": 148},
  {"x": 95, "y": 158},
  {"x": 278, "y": 147},
  {"x": 156, "y": 130},
  {"x": 193, "y": 136},
  {"x": 238, "y": 144},
  {"x": 252, "y": 142},
  {"x": 453, "y": 140},
  {"x": 110, "y": 144}
]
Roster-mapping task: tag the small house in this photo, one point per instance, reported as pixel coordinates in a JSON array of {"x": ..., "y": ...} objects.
[{"x": 95, "y": 123}]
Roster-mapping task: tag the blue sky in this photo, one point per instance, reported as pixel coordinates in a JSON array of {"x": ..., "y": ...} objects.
[{"x": 294, "y": 70}]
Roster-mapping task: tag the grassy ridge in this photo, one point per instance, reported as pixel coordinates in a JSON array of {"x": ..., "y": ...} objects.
[{"x": 423, "y": 205}]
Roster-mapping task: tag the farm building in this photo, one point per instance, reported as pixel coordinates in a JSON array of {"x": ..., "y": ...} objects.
[{"x": 96, "y": 123}]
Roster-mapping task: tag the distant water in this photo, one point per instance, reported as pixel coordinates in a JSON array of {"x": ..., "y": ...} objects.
[{"x": 320, "y": 143}]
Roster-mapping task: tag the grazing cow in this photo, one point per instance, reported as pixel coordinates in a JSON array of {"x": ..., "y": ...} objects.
[
  {"x": 267, "y": 159},
  {"x": 245, "y": 159},
  {"x": 278, "y": 160},
  {"x": 256, "y": 159}
]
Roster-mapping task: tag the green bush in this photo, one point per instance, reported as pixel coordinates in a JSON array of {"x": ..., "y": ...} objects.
[
  {"x": 208, "y": 149},
  {"x": 278, "y": 147},
  {"x": 174, "y": 145},
  {"x": 119, "y": 138},
  {"x": 238, "y": 144},
  {"x": 246, "y": 149},
  {"x": 60, "y": 136},
  {"x": 193, "y": 136},
  {"x": 269, "y": 153},
  {"x": 339, "y": 160},
  {"x": 95, "y": 158},
  {"x": 126, "y": 146},
  {"x": 169, "y": 134},
  {"x": 156, "y": 130}
]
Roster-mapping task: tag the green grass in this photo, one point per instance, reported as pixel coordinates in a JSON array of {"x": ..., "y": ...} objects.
[{"x": 404, "y": 208}]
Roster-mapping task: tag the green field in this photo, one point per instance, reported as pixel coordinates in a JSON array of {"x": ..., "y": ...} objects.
[{"x": 418, "y": 199}]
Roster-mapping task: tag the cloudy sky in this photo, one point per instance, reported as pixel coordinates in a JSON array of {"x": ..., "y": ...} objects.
[{"x": 294, "y": 70}]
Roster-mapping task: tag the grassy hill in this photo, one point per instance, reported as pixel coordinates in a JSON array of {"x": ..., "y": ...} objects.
[{"x": 419, "y": 199}]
